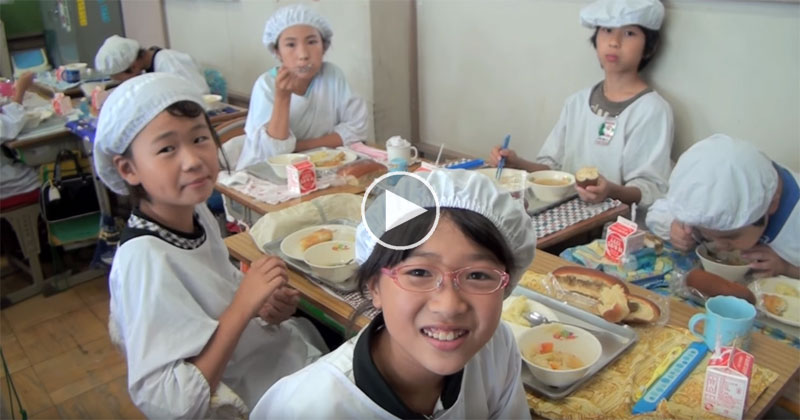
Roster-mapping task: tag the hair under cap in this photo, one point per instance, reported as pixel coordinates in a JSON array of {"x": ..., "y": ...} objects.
[
  {"x": 116, "y": 54},
  {"x": 618, "y": 13},
  {"x": 296, "y": 14},
  {"x": 128, "y": 109},
  {"x": 461, "y": 189},
  {"x": 721, "y": 183}
]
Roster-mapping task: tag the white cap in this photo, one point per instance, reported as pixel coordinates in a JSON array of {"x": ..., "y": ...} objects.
[
  {"x": 618, "y": 13},
  {"x": 116, "y": 55},
  {"x": 469, "y": 190},
  {"x": 721, "y": 183},
  {"x": 128, "y": 109},
  {"x": 296, "y": 14}
]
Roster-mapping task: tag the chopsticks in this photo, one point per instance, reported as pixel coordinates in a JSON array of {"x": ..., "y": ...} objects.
[{"x": 503, "y": 159}]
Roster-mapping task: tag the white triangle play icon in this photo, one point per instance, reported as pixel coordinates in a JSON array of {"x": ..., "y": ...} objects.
[{"x": 399, "y": 210}]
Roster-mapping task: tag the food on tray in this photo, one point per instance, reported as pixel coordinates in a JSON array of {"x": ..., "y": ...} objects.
[
  {"x": 586, "y": 176},
  {"x": 316, "y": 237},
  {"x": 323, "y": 159},
  {"x": 511, "y": 181},
  {"x": 642, "y": 310},
  {"x": 610, "y": 293},
  {"x": 774, "y": 304},
  {"x": 513, "y": 313},
  {"x": 786, "y": 290},
  {"x": 713, "y": 285},
  {"x": 361, "y": 172},
  {"x": 544, "y": 356}
]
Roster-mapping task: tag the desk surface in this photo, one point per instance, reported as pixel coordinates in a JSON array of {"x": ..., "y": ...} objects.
[
  {"x": 261, "y": 207},
  {"x": 768, "y": 352}
]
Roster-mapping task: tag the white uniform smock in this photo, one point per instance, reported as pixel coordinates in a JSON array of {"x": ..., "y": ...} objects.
[
  {"x": 638, "y": 154},
  {"x": 15, "y": 177},
  {"x": 328, "y": 106},
  {"x": 491, "y": 388},
  {"x": 180, "y": 64},
  {"x": 165, "y": 302}
]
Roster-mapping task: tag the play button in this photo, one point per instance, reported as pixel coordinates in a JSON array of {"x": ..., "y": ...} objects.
[{"x": 400, "y": 210}]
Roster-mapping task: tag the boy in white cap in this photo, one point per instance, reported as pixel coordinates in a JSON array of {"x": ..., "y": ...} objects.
[
  {"x": 726, "y": 191},
  {"x": 186, "y": 318},
  {"x": 437, "y": 349},
  {"x": 123, "y": 58},
  {"x": 621, "y": 126},
  {"x": 305, "y": 102}
]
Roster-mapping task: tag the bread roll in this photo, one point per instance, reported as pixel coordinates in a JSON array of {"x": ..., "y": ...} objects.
[
  {"x": 361, "y": 172},
  {"x": 316, "y": 237},
  {"x": 774, "y": 304},
  {"x": 643, "y": 310},
  {"x": 586, "y": 176},
  {"x": 713, "y": 285},
  {"x": 610, "y": 293}
]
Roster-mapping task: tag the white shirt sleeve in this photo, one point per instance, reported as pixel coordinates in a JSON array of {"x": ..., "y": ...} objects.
[
  {"x": 12, "y": 119},
  {"x": 351, "y": 114},
  {"x": 181, "y": 64},
  {"x": 659, "y": 219},
  {"x": 161, "y": 325},
  {"x": 258, "y": 145},
  {"x": 646, "y": 158},
  {"x": 513, "y": 403},
  {"x": 553, "y": 151}
]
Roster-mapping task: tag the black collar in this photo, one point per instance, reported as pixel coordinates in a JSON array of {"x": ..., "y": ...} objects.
[
  {"x": 152, "y": 67},
  {"x": 370, "y": 381},
  {"x": 140, "y": 225}
]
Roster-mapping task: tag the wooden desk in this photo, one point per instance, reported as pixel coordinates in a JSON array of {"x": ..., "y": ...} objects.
[
  {"x": 582, "y": 226},
  {"x": 262, "y": 208},
  {"x": 769, "y": 353}
]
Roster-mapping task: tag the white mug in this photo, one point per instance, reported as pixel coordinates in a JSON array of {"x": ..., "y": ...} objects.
[{"x": 402, "y": 152}]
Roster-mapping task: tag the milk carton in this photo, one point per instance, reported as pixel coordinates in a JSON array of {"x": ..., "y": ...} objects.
[
  {"x": 62, "y": 104},
  {"x": 623, "y": 237},
  {"x": 727, "y": 381},
  {"x": 300, "y": 177}
]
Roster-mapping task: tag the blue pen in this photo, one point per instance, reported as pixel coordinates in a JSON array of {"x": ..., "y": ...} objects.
[{"x": 502, "y": 159}]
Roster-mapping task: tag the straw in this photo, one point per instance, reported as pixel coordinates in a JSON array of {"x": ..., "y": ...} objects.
[{"x": 439, "y": 156}]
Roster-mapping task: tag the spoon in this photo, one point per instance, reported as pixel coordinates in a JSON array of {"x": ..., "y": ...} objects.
[{"x": 536, "y": 318}]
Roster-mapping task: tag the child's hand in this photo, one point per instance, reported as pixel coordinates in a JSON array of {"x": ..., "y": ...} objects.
[
  {"x": 498, "y": 153},
  {"x": 680, "y": 235},
  {"x": 767, "y": 263},
  {"x": 280, "y": 305},
  {"x": 285, "y": 82},
  {"x": 265, "y": 276},
  {"x": 595, "y": 193},
  {"x": 21, "y": 85}
]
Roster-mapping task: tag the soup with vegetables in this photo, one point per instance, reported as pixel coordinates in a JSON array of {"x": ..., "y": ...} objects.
[
  {"x": 544, "y": 356},
  {"x": 556, "y": 182}
]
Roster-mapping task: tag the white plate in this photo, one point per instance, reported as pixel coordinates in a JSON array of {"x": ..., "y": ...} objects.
[
  {"x": 291, "y": 244},
  {"x": 327, "y": 154},
  {"x": 533, "y": 306},
  {"x": 774, "y": 286}
]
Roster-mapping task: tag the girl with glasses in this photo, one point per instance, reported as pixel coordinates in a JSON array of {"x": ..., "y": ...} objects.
[{"x": 437, "y": 348}]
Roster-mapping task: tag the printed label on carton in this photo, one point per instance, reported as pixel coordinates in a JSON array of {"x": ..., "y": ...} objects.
[
  {"x": 622, "y": 238},
  {"x": 727, "y": 381},
  {"x": 301, "y": 177}
]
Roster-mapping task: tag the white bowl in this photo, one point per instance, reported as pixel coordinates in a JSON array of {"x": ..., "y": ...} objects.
[
  {"x": 333, "y": 261},
  {"x": 551, "y": 192},
  {"x": 290, "y": 245},
  {"x": 732, "y": 272},
  {"x": 511, "y": 180},
  {"x": 279, "y": 162},
  {"x": 212, "y": 100},
  {"x": 583, "y": 345}
]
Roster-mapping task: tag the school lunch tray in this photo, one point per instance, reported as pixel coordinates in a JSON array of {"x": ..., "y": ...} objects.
[
  {"x": 536, "y": 206},
  {"x": 614, "y": 345},
  {"x": 348, "y": 286},
  {"x": 264, "y": 171}
]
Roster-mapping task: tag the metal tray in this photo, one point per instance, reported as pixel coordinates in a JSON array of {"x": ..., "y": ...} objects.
[
  {"x": 621, "y": 339},
  {"x": 348, "y": 286},
  {"x": 536, "y": 206},
  {"x": 264, "y": 171}
]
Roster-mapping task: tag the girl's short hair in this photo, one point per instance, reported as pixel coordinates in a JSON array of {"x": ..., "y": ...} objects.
[
  {"x": 182, "y": 109},
  {"x": 476, "y": 227},
  {"x": 651, "y": 41}
]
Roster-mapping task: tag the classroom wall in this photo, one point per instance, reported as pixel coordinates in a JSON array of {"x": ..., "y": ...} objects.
[
  {"x": 488, "y": 68},
  {"x": 144, "y": 22},
  {"x": 226, "y": 35}
]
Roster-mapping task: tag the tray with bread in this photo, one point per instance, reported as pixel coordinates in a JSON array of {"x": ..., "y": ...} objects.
[
  {"x": 614, "y": 338},
  {"x": 325, "y": 159},
  {"x": 778, "y": 298}
]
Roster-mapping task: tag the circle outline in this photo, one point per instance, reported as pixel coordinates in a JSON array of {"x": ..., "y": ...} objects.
[{"x": 364, "y": 212}]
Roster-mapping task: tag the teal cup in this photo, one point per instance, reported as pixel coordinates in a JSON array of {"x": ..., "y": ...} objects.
[{"x": 728, "y": 321}]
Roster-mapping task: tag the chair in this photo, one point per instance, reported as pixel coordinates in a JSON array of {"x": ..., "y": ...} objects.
[
  {"x": 230, "y": 129},
  {"x": 22, "y": 213}
]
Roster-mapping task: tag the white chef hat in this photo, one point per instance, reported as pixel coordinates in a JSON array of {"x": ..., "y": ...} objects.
[
  {"x": 461, "y": 189},
  {"x": 721, "y": 183},
  {"x": 296, "y": 14},
  {"x": 116, "y": 54},
  {"x": 618, "y": 13},
  {"x": 128, "y": 109}
]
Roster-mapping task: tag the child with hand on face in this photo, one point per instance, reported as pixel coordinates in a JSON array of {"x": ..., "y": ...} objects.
[
  {"x": 620, "y": 126},
  {"x": 186, "y": 318},
  {"x": 306, "y": 102},
  {"x": 437, "y": 349}
]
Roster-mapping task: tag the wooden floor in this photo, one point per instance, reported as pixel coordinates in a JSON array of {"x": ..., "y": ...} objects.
[{"x": 61, "y": 360}]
